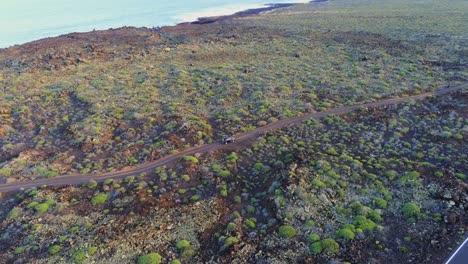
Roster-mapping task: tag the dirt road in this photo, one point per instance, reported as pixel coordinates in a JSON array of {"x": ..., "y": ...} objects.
[{"x": 241, "y": 138}]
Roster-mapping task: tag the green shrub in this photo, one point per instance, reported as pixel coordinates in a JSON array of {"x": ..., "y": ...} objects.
[
  {"x": 152, "y": 258},
  {"x": 332, "y": 151},
  {"x": 410, "y": 176},
  {"x": 318, "y": 183},
  {"x": 36, "y": 227},
  {"x": 391, "y": 174},
  {"x": 20, "y": 250},
  {"x": 403, "y": 249},
  {"x": 186, "y": 177},
  {"x": 41, "y": 208},
  {"x": 183, "y": 244},
  {"x": 190, "y": 159},
  {"x": 235, "y": 214},
  {"x": 232, "y": 157},
  {"x": 33, "y": 193},
  {"x": 175, "y": 261},
  {"x": 438, "y": 217},
  {"x": 410, "y": 210},
  {"x": 345, "y": 233},
  {"x": 460, "y": 176},
  {"x": 188, "y": 253},
  {"x": 230, "y": 241},
  {"x": 231, "y": 226},
  {"x": 316, "y": 248},
  {"x": 92, "y": 184},
  {"x": 215, "y": 167},
  {"x": 5, "y": 172},
  {"x": 329, "y": 246},
  {"x": 258, "y": 166},
  {"x": 129, "y": 179},
  {"x": 250, "y": 222},
  {"x": 363, "y": 223},
  {"x": 32, "y": 204},
  {"x": 380, "y": 203},
  {"x": 224, "y": 174},
  {"x": 287, "y": 231},
  {"x": 250, "y": 209},
  {"x": 54, "y": 249},
  {"x": 108, "y": 181},
  {"x": 237, "y": 199},
  {"x": 99, "y": 198},
  {"x": 92, "y": 250},
  {"x": 356, "y": 206},
  {"x": 374, "y": 216},
  {"x": 313, "y": 237},
  {"x": 78, "y": 256},
  {"x": 50, "y": 201}
]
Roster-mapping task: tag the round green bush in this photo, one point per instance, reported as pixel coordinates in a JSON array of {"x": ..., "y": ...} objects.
[
  {"x": 99, "y": 198},
  {"x": 79, "y": 256},
  {"x": 224, "y": 173},
  {"x": 231, "y": 241},
  {"x": 380, "y": 203},
  {"x": 5, "y": 172},
  {"x": 32, "y": 204},
  {"x": 92, "y": 184},
  {"x": 363, "y": 223},
  {"x": 286, "y": 231},
  {"x": 250, "y": 209},
  {"x": 183, "y": 244},
  {"x": 329, "y": 246},
  {"x": 231, "y": 226},
  {"x": 41, "y": 208},
  {"x": 152, "y": 258},
  {"x": 188, "y": 253},
  {"x": 250, "y": 222},
  {"x": 313, "y": 237},
  {"x": 410, "y": 210},
  {"x": 345, "y": 233},
  {"x": 316, "y": 248}
]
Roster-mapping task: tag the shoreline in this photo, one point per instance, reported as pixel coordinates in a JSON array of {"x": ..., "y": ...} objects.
[
  {"x": 209, "y": 18},
  {"x": 243, "y": 13}
]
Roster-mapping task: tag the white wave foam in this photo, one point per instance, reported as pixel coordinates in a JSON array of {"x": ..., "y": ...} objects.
[{"x": 227, "y": 10}]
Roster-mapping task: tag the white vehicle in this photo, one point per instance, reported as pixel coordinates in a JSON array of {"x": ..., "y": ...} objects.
[{"x": 227, "y": 140}]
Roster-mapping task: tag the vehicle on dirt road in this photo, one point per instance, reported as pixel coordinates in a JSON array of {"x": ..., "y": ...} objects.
[{"x": 228, "y": 140}]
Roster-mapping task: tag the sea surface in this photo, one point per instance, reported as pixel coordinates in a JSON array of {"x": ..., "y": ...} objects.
[{"x": 22, "y": 21}]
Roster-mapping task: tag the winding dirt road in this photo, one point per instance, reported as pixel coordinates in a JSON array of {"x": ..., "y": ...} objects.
[{"x": 73, "y": 179}]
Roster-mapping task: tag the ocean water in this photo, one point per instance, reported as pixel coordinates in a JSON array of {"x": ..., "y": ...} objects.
[{"x": 22, "y": 21}]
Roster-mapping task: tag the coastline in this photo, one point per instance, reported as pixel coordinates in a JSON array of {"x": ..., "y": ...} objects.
[
  {"x": 246, "y": 12},
  {"x": 204, "y": 16}
]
